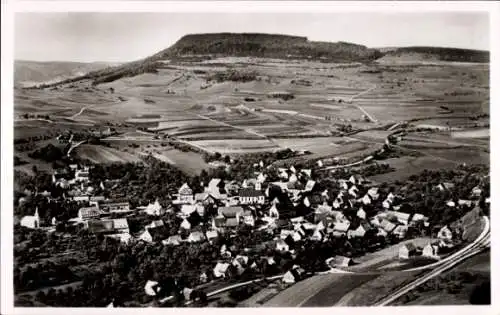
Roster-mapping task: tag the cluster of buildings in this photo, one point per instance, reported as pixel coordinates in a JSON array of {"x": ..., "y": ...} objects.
[{"x": 355, "y": 208}]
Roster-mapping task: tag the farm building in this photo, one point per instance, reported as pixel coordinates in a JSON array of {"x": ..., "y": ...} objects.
[
  {"x": 431, "y": 250},
  {"x": 445, "y": 233},
  {"x": 220, "y": 270}
]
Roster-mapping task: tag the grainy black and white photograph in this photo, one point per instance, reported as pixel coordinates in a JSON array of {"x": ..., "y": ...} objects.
[{"x": 251, "y": 159}]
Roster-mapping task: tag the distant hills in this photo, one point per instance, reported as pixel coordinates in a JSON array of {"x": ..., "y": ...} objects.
[
  {"x": 437, "y": 54},
  {"x": 35, "y": 72},
  {"x": 242, "y": 45}
]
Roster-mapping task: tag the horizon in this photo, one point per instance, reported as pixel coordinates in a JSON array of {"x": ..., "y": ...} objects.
[{"x": 107, "y": 37}]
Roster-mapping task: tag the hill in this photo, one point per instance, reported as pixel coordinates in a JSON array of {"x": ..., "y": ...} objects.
[
  {"x": 422, "y": 53},
  {"x": 33, "y": 72},
  {"x": 241, "y": 45}
]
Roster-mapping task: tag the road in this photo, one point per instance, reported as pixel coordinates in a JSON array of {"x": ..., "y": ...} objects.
[
  {"x": 372, "y": 119},
  {"x": 74, "y": 146},
  {"x": 234, "y": 127},
  {"x": 482, "y": 242}
]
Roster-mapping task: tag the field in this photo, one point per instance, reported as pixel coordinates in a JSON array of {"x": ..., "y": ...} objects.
[
  {"x": 102, "y": 154},
  {"x": 321, "y": 290},
  {"x": 235, "y": 117}
]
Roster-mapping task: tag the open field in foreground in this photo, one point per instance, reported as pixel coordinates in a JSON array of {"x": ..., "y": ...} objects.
[{"x": 321, "y": 290}]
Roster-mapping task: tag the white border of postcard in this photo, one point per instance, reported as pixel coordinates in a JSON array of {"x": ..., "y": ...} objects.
[{"x": 8, "y": 9}]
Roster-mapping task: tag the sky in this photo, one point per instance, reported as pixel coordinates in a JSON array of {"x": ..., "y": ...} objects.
[{"x": 121, "y": 36}]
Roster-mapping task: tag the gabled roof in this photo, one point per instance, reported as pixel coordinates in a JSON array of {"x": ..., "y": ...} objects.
[
  {"x": 185, "y": 190},
  {"x": 249, "y": 192},
  {"x": 410, "y": 246},
  {"x": 120, "y": 223}
]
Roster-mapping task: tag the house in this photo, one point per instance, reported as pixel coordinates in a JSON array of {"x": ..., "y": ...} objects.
[
  {"x": 153, "y": 234},
  {"x": 211, "y": 235},
  {"x": 401, "y": 217},
  {"x": 116, "y": 207},
  {"x": 215, "y": 187},
  {"x": 185, "y": 194},
  {"x": 82, "y": 175},
  {"x": 186, "y": 225},
  {"x": 241, "y": 263},
  {"x": 99, "y": 226},
  {"x": 31, "y": 221},
  {"x": 87, "y": 213},
  {"x": 476, "y": 192},
  {"x": 196, "y": 237},
  {"x": 155, "y": 209},
  {"x": 293, "y": 178},
  {"x": 124, "y": 238},
  {"x": 317, "y": 235},
  {"x": 407, "y": 250},
  {"x": 174, "y": 240},
  {"x": 207, "y": 199},
  {"x": 220, "y": 270},
  {"x": 155, "y": 223},
  {"x": 445, "y": 233},
  {"x": 400, "y": 231},
  {"x": 247, "y": 218},
  {"x": 445, "y": 186},
  {"x": 360, "y": 231},
  {"x": 306, "y": 172},
  {"x": 387, "y": 226},
  {"x": 251, "y": 196},
  {"x": 341, "y": 227},
  {"x": 187, "y": 209},
  {"x": 282, "y": 246},
  {"x": 152, "y": 288},
  {"x": 81, "y": 198},
  {"x": 230, "y": 212},
  {"x": 261, "y": 178},
  {"x": 431, "y": 250},
  {"x": 353, "y": 191},
  {"x": 467, "y": 203},
  {"x": 337, "y": 203},
  {"x": 338, "y": 261},
  {"x": 293, "y": 275},
  {"x": 218, "y": 223},
  {"x": 361, "y": 214},
  {"x": 319, "y": 163},
  {"x": 450, "y": 203},
  {"x": 366, "y": 199},
  {"x": 417, "y": 217},
  {"x": 357, "y": 179},
  {"x": 343, "y": 184},
  {"x": 120, "y": 225},
  {"x": 373, "y": 193},
  {"x": 293, "y": 169},
  {"x": 310, "y": 185}
]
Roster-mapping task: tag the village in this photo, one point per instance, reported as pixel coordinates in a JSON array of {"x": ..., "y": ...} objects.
[{"x": 355, "y": 211}]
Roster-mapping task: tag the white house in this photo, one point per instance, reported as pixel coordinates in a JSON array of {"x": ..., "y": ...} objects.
[
  {"x": 220, "y": 270},
  {"x": 476, "y": 192},
  {"x": 185, "y": 194},
  {"x": 155, "y": 209},
  {"x": 361, "y": 214},
  {"x": 310, "y": 185},
  {"x": 407, "y": 250},
  {"x": 185, "y": 225},
  {"x": 151, "y": 288},
  {"x": 353, "y": 191},
  {"x": 366, "y": 199},
  {"x": 373, "y": 193},
  {"x": 31, "y": 221},
  {"x": 293, "y": 178},
  {"x": 282, "y": 246},
  {"x": 273, "y": 212},
  {"x": 431, "y": 250},
  {"x": 146, "y": 236}
]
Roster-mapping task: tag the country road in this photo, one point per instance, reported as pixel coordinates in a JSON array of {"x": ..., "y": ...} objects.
[{"x": 372, "y": 119}]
